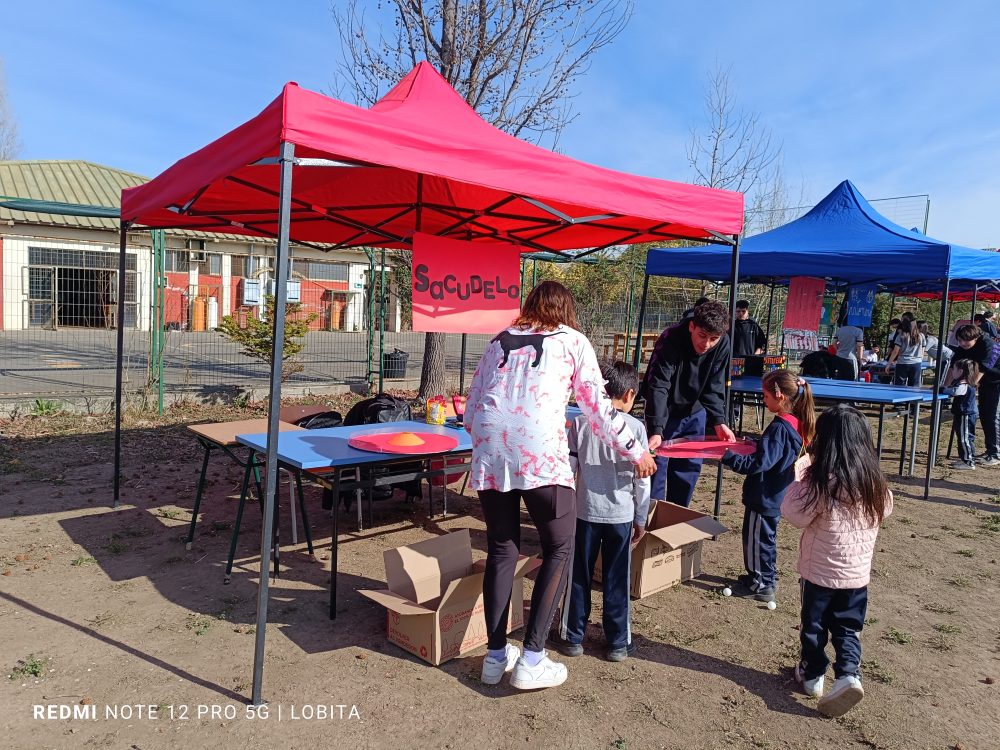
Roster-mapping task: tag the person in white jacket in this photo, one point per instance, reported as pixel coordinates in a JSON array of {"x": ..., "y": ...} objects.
[
  {"x": 839, "y": 500},
  {"x": 516, "y": 415}
]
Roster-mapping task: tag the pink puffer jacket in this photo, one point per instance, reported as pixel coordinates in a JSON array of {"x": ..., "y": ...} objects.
[{"x": 836, "y": 548}]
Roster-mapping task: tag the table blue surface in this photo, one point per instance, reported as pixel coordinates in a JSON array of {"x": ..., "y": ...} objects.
[
  {"x": 326, "y": 448},
  {"x": 846, "y": 390}
]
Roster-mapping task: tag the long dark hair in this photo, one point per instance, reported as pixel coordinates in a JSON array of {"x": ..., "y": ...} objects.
[
  {"x": 799, "y": 396},
  {"x": 548, "y": 306},
  {"x": 845, "y": 470},
  {"x": 908, "y": 328}
]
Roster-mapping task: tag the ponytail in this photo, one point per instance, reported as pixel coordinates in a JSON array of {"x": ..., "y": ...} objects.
[
  {"x": 804, "y": 409},
  {"x": 799, "y": 396}
]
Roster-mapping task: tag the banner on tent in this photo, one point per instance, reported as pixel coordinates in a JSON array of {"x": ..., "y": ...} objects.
[
  {"x": 805, "y": 303},
  {"x": 860, "y": 303},
  {"x": 461, "y": 287}
]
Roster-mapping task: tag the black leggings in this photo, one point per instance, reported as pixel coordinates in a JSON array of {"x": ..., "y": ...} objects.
[{"x": 553, "y": 510}]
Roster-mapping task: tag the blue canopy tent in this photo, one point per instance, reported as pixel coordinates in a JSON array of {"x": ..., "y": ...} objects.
[{"x": 843, "y": 239}]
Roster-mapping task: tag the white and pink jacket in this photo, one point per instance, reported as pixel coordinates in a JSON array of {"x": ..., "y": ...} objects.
[
  {"x": 516, "y": 409},
  {"x": 836, "y": 548}
]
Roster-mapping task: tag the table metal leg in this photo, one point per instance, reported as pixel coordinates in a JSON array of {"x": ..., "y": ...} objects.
[
  {"x": 302, "y": 510},
  {"x": 291, "y": 508},
  {"x": 197, "y": 497},
  {"x": 236, "y": 526},
  {"x": 913, "y": 440},
  {"x": 902, "y": 445},
  {"x": 881, "y": 429},
  {"x": 357, "y": 498},
  {"x": 334, "y": 545}
]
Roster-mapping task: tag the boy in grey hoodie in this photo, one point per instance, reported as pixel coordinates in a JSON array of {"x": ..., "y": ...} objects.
[{"x": 612, "y": 504}]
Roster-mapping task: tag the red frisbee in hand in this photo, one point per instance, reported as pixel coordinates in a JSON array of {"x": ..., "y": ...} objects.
[
  {"x": 403, "y": 442},
  {"x": 705, "y": 447}
]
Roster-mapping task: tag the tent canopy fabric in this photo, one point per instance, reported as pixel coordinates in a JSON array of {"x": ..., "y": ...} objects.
[
  {"x": 842, "y": 239},
  {"x": 420, "y": 159}
]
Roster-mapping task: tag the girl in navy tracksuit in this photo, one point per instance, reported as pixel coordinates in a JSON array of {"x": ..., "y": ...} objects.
[
  {"x": 964, "y": 379},
  {"x": 770, "y": 470}
]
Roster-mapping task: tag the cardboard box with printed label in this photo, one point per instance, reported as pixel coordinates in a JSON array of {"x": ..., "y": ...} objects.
[
  {"x": 670, "y": 551},
  {"x": 435, "y": 597}
]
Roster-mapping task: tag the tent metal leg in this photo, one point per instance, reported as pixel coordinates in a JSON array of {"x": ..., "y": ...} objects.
[{"x": 281, "y": 264}]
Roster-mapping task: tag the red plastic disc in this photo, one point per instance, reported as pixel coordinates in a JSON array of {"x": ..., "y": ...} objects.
[
  {"x": 707, "y": 447},
  {"x": 403, "y": 442}
]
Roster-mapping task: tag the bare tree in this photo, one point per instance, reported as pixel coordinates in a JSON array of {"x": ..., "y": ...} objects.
[
  {"x": 735, "y": 151},
  {"x": 10, "y": 143},
  {"x": 514, "y": 61}
]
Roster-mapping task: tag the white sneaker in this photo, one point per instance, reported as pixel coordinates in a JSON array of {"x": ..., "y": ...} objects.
[
  {"x": 494, "y": 669},
  {"x": 814, "y": 687},
  {"x": 845, "y": 694},
  {"x": 546, "y": 673}
]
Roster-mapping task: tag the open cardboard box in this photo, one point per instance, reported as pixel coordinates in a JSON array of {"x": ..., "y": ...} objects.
[
  {"x": 670, "y": 551},
  {"x": 435, "y": 597}
]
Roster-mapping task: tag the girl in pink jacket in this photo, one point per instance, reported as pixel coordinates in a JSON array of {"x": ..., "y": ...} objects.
[{"x": 839, "y": 502}]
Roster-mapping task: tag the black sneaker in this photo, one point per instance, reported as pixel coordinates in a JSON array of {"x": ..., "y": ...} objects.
[
  {"x": 763, "y": 594},
  {"x": 621, "y": 654},
  {"x": 564, "y": 647}
]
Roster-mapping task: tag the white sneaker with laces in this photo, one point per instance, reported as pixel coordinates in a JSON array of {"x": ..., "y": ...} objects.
[
  {"x": 494, "y": 669},
  {"x": 814, "y": 687},
  {"x": 545, "y": 674},
  {"x": 845, "y": 694}
]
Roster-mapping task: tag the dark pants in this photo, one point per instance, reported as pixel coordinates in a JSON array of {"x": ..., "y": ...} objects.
[
  {"x": 906, "y": 375},
  {"x": 844, "y": 368},
  {"x": 760, "y": 548},
  {"x": 553, "y": 510},
  {"x": 989, "y": 415},
  {"x": 837, "y": 615},
  {"x": 611, "y": 540},
  {"x": 964, "y": 426},
  {"x": 675, "y": 478}
]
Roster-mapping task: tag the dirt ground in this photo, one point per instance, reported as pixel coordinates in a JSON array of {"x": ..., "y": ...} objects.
[{"x": 105, "y": 609}]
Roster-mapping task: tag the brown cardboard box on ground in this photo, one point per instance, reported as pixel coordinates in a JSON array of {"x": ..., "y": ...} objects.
[
  {"x": 670, "y": 551},
  {"x": 435, "y": 597}
]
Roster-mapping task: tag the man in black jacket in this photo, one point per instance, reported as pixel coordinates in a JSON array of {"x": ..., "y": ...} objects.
[
  {"x": 748, "y": 336},
  {"x": 684, "y": 388}
]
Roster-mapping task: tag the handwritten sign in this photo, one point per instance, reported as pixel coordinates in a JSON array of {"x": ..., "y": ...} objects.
[
  {"x": 464, "y": 287},
  {"x": 860, "y": 303}
]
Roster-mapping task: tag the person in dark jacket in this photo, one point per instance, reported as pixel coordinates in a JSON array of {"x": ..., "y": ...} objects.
[
  {"x": 748, "y": 336},
  {"x": 985, "y": 352},
  {"x": 964, "y": 377},
  {"x": 769, "y": 472},
  {"x": 985, "y": 322},
  {"x": 685, "y": 392}
]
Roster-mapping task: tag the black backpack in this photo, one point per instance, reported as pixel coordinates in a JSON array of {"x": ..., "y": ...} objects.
[
  {"x": 321, "y": 420},
  {"x": 380, "y": 408}
]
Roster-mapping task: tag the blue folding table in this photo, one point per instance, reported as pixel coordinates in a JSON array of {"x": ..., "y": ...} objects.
[
  {"x": 875, "y": 394},
  {"x": 324, "y": 454}
]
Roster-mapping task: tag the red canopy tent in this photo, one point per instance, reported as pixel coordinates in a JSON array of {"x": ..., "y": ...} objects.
[{"x": 419, "y": 160}]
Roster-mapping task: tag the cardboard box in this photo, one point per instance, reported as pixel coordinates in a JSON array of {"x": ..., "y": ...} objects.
[
  {"x": 435, "y": 597},
  {"x": 670, "y": 551}
]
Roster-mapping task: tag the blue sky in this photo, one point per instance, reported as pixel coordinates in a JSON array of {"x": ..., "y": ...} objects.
[{"x": 900, "y": 97}]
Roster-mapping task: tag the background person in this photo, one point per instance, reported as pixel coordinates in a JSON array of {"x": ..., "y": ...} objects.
[
  {"x": 516, "y": 415},
  {"x": 907, "y": 354},
  {"x": 748, "y": 336},
  {"x": 850, "y": 343},
  {"x": 685, "y": 392},
  {"x": 985, "y": 352}
]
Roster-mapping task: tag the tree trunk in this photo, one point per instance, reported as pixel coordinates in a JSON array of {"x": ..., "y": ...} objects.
[{"x": 434, "y": 375}]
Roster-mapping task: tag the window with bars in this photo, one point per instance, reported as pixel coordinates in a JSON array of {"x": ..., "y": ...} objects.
[
  {"x": 76, "y": 258},
  {"x": 322, "y": 271}
]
